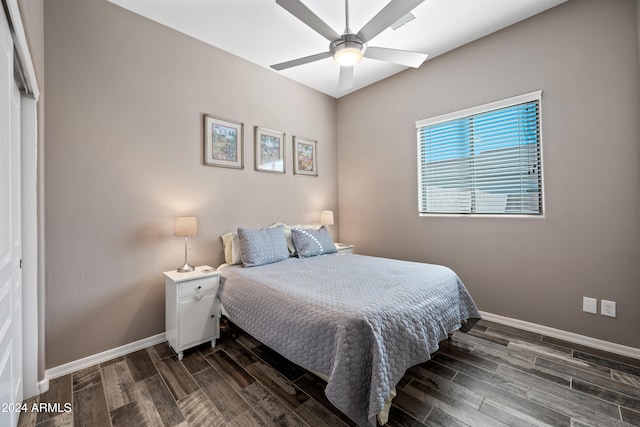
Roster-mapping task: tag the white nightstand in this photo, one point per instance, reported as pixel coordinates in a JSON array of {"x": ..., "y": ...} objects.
[
  {"x": 192, "y": 308},
  {"x": 344, "y": 249}
]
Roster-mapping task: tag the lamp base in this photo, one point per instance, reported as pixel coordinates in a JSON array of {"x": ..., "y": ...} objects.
[{"x": 186, "y": 268}]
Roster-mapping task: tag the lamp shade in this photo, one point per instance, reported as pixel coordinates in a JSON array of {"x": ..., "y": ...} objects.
[
  {"x": 186, "y": 226},
  {"x": 326, "y": 218}
]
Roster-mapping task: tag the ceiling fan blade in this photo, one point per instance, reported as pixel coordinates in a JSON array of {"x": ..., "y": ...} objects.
[
  {"x": 389, "y": 14},
  {"x": 300, "y": 61},
  {"x": 395, "y": 56},
  {"x": 346, "y": 79},
  {"x": 303, "y": 13}
]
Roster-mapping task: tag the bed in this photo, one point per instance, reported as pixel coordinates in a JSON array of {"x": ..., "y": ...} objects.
[{"x": 356, "y": 320}]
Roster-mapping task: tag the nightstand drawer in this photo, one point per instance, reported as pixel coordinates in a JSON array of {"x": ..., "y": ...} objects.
[{"x": 204, "y": 286}]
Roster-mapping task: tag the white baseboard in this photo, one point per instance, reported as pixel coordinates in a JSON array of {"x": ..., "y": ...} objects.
[
  {"x": 563, "y": 335},
  {"x": 88, "y": 361},
  {"x": 43, "y": 385}
]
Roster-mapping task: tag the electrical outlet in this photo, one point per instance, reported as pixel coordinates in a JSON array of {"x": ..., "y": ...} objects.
[
  {"x": 590, "y": 305},
  {"x": 608, "y": 308}
]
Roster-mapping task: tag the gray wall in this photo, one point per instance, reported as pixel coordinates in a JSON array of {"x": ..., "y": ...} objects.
[
  {"x": 583, "y": 55},
  {"x": 124, "y": 117},
  {"x": 125, "y": 99}
]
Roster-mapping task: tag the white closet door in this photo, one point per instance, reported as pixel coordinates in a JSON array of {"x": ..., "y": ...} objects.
[
  {"x": 10, "y": 234},
  {"x": 16, "y": 239}
]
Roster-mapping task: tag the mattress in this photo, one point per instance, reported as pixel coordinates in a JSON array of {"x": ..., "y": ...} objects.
[{"x": 360, "y": 321}]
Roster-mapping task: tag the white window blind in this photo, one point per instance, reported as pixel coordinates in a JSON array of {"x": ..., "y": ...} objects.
[{"x": 484, "y": 160}]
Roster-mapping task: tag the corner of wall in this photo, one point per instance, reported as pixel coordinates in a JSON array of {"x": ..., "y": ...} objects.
[{"x": 638, "y": 25}]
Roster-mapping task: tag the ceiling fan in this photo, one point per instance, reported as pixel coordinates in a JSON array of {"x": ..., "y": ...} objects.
[{"x": 349, "y": 48}]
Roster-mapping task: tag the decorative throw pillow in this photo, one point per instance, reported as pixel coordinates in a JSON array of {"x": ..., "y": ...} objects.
[
  {"x": 310, "y": 242},
  {"x": 287, "y": 234},
  {"x": 262, "y": 246}
]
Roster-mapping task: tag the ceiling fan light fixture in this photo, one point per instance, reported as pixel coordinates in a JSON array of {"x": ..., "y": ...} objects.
[
  {"x": 347, "y": 51},
  {"x": 348, "y": 56}
]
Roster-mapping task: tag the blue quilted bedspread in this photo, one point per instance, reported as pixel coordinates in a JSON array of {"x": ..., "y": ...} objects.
[{"x": 361, "y": 321}]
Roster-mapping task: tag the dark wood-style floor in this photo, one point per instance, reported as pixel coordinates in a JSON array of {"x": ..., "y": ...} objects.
[{"x": 493, "y": 376}]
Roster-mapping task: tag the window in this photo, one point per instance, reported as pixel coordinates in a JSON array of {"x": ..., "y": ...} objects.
[{"x": 483, "y": 160}]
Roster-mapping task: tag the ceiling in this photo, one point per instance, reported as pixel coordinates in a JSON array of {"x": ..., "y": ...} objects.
[{"x": 264, "y": 33}]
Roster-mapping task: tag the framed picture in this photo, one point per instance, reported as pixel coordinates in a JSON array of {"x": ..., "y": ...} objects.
[
  {"x": 305, "y": 158},
  {"x": 223, "y": 142},
  {"x": 269, "y": 150}
]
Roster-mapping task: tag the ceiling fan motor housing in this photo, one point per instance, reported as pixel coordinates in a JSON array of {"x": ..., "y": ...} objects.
[{"x": 347, "y": 50}]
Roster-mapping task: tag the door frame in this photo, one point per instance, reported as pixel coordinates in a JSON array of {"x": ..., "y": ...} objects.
[{"x": 32, "y": 206}]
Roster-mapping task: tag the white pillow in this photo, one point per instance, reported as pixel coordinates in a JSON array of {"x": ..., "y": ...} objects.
[{"x": 231, "y": 247}]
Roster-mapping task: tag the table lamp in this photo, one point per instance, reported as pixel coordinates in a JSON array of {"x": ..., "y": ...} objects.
[
  {"x": 186, "y": 226},
  {"x": 326, "y": 218}
]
